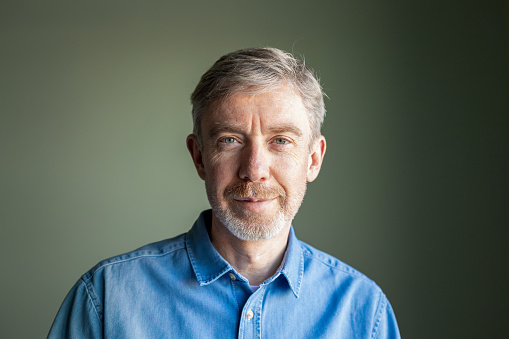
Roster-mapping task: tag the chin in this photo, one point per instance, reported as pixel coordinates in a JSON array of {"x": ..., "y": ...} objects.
[{"x": 252, "y": 227}]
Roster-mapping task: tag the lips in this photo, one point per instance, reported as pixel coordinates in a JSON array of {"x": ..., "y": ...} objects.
[
  {"x": 252, "y": 199},
  {"x": 254, "y": 205}
]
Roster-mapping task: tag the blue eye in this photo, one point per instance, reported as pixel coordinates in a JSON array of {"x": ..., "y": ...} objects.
[
  {"x": 281, "y": 141},
  {"x": 229, "y": 140}
]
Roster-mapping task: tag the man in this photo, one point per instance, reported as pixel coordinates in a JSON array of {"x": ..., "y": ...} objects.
[{"x": 240, "y": 271}]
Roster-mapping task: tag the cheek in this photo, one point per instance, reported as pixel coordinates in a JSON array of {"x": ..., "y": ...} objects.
[
  {"x": 221, "y": 159},
  {"x": 294, "y": 161},
  {"x": 214, "y": 162},
  {"x": 220, "y": 171},
  {"x": 290, "y": 173},
  {"x": 290, "y": 157}
]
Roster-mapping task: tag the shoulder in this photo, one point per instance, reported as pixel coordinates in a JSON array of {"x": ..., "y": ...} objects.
[
  {"x": 149, "y": 253},
  {"x": 345, "y": 288},
  {"x": 328, "y": 268}
]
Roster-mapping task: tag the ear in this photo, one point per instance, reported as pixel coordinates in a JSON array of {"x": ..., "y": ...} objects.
[
  {"x": 316, "y": 158},
  {"x": 195, "y": 150}
]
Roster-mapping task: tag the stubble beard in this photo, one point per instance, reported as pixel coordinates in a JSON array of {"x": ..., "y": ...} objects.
[{"x": 249, "y": 225}]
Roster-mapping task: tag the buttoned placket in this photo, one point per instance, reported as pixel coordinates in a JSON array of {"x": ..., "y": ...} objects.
[
  {"x": 250, "y": 307},
  {"x": 209, "y": 266},
  {"x": 251, "y": 316}
]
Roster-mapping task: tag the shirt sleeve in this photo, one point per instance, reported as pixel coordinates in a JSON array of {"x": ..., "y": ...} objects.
[
  {"x": 78, "y": 316},
  {"x": 386, "y": 326}
]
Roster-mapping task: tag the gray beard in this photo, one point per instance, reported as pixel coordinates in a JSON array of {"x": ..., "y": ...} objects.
[{"x": 252, "y": 229}]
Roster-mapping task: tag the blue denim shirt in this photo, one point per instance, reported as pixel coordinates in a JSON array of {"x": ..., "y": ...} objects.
[{"x": 183, "y": 288}]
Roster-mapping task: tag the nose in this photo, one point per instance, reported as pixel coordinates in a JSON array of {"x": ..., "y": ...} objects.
[{"x": 254, "y": 163}]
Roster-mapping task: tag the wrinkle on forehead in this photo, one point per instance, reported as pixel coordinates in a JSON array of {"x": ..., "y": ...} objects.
[{"x": 285, "y": 96}]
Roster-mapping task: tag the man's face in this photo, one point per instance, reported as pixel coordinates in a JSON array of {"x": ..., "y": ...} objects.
[{"x": 256, "y": 161}]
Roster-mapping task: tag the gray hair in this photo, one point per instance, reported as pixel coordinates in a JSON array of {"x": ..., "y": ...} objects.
[{"x": 258, "y": 70}]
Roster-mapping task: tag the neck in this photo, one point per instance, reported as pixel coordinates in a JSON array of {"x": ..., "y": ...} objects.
[{"x": 255, "y": 260}]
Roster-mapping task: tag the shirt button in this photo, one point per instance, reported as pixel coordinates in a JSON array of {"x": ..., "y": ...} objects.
[
  {"x": 232, "y": 276},
  {"x": 249, "y": 314}
]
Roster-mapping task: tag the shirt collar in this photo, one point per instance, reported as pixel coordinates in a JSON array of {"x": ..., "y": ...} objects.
[
  {"x": 293, "y": 263},
  {"x": 208, "y": 265}
]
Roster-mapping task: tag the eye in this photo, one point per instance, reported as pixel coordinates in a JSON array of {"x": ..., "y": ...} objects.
[
  {"x": 228, "y": 140},
  {"x": 280, "y": 141}
]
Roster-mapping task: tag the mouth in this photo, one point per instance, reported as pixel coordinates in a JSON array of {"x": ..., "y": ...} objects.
[
  {"x": 254, "y": 204},
  {"x": 252, "y": 199}
]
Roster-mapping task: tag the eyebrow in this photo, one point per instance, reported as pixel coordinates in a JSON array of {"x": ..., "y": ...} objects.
[
  {"x": 218, "y": 129},
  {"x": 288, "y": 128}
]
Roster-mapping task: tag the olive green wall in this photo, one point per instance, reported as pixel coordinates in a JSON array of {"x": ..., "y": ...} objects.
[{"x": 414, "y": 190}]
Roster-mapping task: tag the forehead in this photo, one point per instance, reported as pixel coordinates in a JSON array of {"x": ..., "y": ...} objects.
[{"x": 278, "y": 106}]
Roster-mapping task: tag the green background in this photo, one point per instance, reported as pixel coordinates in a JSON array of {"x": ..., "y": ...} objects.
[{"x": 94, "y": 102}]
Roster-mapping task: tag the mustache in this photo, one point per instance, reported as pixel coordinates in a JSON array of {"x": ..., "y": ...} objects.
[{"x": 253, "y": 190}]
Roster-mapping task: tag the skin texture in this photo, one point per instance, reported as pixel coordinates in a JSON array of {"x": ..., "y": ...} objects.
[{"x": 256, "y": 161}]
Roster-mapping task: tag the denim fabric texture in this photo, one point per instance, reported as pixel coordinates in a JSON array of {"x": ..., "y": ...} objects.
[{"x": 183, "y": 288}]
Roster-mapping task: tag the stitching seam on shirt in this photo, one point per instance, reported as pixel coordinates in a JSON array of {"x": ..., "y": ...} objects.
[
  {"x": 342, "y": 269},
  {"x": 133, "y": 258},
  {"x": 379, "y": 315},
  {"x": 96, "y": 305},
  {"x": 235, "y": 295},
  {"x": 291, "y": 286},
  {"x": 259, "y": 318},
  {"x": 213, "y": 278},
  {"x": 190, "y": 254},
  {"x": 296, "y": 289},
  {"x": 301, "y": 270}
]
